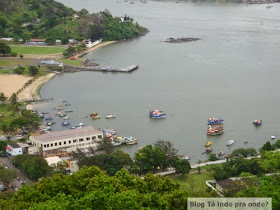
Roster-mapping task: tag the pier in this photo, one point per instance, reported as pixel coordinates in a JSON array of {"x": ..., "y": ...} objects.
[{"x": 70, "y": 68}]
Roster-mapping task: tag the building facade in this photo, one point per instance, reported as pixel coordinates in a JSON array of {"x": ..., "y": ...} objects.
[
  {"x": 13, "y": 149},
  {"x": 64, "y": 143}
]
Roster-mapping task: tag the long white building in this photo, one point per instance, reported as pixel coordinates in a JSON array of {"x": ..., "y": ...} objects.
[{"x": 63, "y": 143}]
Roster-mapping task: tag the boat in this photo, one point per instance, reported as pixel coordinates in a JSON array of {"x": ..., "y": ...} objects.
[
  {"x": 61, "y": 115},
  {"x": 157, "y": 114},
  {"x": 130, "y": 140},
  {"x": 109, "y": 132},
  {"x": 215, "y": 121},
  {"x": 72, "y": 127},
  {"x": 68, "y": 111},
  {"x": 257, "y": 122},
  {"x": 214, "y": 130},
  {"x": 50, "y": 123},
  {"x": 45, "y": 112},
  {"x": 66, "y": 118},
  {"x": 65, "y": 123},
  {"x": 109, "y": 116},
  {"x": 208, "y": 143},
  {"x": 120, "y": 140},
  {"x": 41, "y": 116},
  {"x": 49, "y": 118},
  {"x": 272, "y": 137},
  {"x": 58, "y": 113},
  {"x": 208, "y": 149},
  {"x": 268, "y": 7},
  {"x": 81, "y": 124},
  {"x": 115, "y": 144},
  {"x": 230, "y": 142},
  {"x": 187, "y": 158},
  {"x": 94, "y": 116},
  {"x": 68, "y": 104},
  {"x": 221, "y": 153}
]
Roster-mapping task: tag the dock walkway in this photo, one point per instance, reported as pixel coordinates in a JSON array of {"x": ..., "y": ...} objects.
[{"x": 70, "y": 68}]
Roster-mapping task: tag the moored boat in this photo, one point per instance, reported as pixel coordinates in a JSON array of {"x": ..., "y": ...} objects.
[
  {"x": 109, "y": 116},
  {"x": 49, "y": 118},
  {"x": 131, "y": 140},
  {"x": 230, "y": 142},
  {"x": 50, "y": 123},
  {"x": 187, "y": 158},
  {"x": 157, "y": 114},
  {"x": 215, "y": 121},
  {"x": 65, "y": 123},
  {"x": 68, "y": 111},
  {"x": 214, "y": 130},
  {"x": 208, "y": 143},
  {"x": 257, "y": 122},
  {"x": 94, "y": 115},
  {"x": 208, "y": 149},
  {"x": 221, "y": 153}
]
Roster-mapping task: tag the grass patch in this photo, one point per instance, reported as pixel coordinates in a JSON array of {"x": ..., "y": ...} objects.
[
  {"x": 7, "y": 71},
  {"x": 7, "y": 113},
  {"x": 7, "y": 63},
  {"x": 71, "y": 62},
  {"x": 36, "y": 50},
  {"x": 194, "y": 183}
]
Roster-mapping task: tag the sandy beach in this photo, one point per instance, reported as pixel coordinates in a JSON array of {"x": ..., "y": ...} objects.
[
  {"x": 96, "y": 47},
  {"x": 10, "y": 84}
]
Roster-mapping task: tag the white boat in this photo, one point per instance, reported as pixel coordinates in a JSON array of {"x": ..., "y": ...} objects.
[
  {"x": 81, "y": 124},
  {"x": 272, "y": 137},
  {"x": 187, "y": 158},
  {"x": 109, "y": 116},
  {"x": 230, "y": 142}
]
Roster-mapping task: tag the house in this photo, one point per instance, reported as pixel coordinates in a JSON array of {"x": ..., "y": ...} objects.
[
  {"x": 57, "y": 41},
  {"x": 72, "y": 164},
  {"x": 37, "y": 41},
  {"x": 90, "y": 43},
  {"x": 53, "y": 161},
  {"x": 64, "y": 143},
  {"x": 51, "y": 63},
  {"x": 7, "y": 39},
  {"x": 13, "y": 149},
  {"x": 75, "y": 16},
  {"x": 73, "y": 58}
]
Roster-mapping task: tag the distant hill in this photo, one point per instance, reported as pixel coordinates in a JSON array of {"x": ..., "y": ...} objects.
[{"x": 24, "y": 19}]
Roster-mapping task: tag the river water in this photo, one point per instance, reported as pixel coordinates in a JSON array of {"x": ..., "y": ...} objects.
[{"x": 232, "y": 73}]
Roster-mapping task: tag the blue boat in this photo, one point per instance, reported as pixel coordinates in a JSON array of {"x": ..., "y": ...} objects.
[
  {"x": 157, "y": 114},
  {"x": 68, "y": 110},
  {"x": 48, "y": 118},
  {"x": 65, "y": 123},
  {"x": 257, "y": 122},
  {"x": 214, "y": 121}
]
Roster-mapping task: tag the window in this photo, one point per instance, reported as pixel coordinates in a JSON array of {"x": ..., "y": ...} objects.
[
  {"x": 93, "y": 138},
  {"x": 74, "y": 141},
  {"x": 51, "y": 145},
  {"x": 64, "y": 142},
  {"x": 48, "y": 145},
  {"x": 55, "y": 144},
  {"x": 80, "y": 140},
  {"x": 88, "y": 138},
  {"x": 59, "y": 143},
  {"x": 100, "y": 136},
  {"x": 45, "y": 146},
  {"x": 70, "y": 142}
]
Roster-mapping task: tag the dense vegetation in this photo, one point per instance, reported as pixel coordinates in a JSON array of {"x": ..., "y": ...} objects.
[
  {"x": 25, "y": 19},
  {"x": 92, "y": 188}
]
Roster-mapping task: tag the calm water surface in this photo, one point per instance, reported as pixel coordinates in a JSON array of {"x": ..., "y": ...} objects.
[{"x": 232, "y": 72}]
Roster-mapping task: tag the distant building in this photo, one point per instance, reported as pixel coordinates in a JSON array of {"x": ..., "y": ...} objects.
[
  {"x": 36, "y": 41},
  {"x": 90, "y": 43},
  {"x": 13, "y": 149},
  {"x": 7, "y": 39},
  {"x": 75, "y": 15},
  {"x": 57, "y": 41},
  {"x": 51, "y": 63},
  {"x": 63, "y": 143}
]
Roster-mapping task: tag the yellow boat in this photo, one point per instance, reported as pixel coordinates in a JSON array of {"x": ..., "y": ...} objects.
[
  {"x": 208, "y": 143},
  {"x": 94, "y": 115}
]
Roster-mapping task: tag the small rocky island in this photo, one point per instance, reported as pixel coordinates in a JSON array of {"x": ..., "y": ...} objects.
[{"x": 180, "y": 40}]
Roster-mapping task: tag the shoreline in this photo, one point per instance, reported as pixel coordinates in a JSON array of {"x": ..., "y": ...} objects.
[
  {"x": 102, "y": 44},
  {"x": 35, "y": 91}
]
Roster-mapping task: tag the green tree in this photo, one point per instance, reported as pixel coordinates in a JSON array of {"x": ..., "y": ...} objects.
[
  {"x": 83, "y": 12},
  {"x": 3, "y": 145},
  {"x": 64, "y": 40},
  {"x": 7, "y": 175},
  {"x": 5, "y": 49},
  {"x": 241, "y": 152},
  {"x": 33, "y": 70},
  {"x": 69, "y": 51},
  {"x": 13, "y": 99},
  {"x": 106, "y": 145},
  {"x": 266, "y": 147},
  {"x": 182, "y": 166},
  {"x": 213, "y": 157},
  {"x": 19, "y": 70},
  {"x": 50, "y": 41},
  {"x": 3, "y": 98}
]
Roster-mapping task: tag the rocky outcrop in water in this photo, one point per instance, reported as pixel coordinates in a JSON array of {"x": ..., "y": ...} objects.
[{"x": 180, "y": 40}]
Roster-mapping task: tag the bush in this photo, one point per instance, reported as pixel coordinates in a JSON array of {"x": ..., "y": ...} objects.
[
  {"x": 14, "y": 54},
  {"x": 33, "y": 70},
  {"x": 19, "y": 70}
]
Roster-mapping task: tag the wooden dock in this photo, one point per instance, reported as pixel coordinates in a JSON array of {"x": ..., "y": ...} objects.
[{"x": 70, "y": 68}]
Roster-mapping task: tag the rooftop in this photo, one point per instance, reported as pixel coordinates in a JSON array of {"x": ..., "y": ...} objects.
[
  {"x": 53, "y": 160},
  {"x": 66, "y": 134},
  {"x": 14, "y": 145}
]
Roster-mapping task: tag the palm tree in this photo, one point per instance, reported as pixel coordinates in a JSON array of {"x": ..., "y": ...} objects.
[{"x": 3, "y": 98}]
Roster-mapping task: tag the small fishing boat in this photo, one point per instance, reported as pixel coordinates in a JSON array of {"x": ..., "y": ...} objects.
[
  {"x": 187, "y": 158},
  {"x": 109, "y": 132},
  {"x": 41, "y": 116},
  {"x": 214, "y": 130},
  {"x": 208, "y": 149},
  {"x": 72, "y": 127},
  {"x": 109, "y": 116},
  {"x": 66, "y": 118},
  {"x": 115, "y": 144},
  {"x": 45, "y": 112},
  {"x": 221, "y": 153},
  {"x": 157, "y": 114},
  {"x": 68, "y": 104},
  {"x": 230, "y": 142},
  {"x": 268, "y": 7},
  {"x": 61, "y": 115},
  {"x": 49, "y": 118},
  {"x": 272, "y": 137},
  {"x": 94, "y": 116},
  {"x": 50, "y": 123},
  {"x": 68, "y": 111},
  {"x": 58, "y": 113},
  {"x": 257, "y": 122},
  {"x": 81, "y": 124},
  {"x": 215, "y": 121},
  {"x": 245, "y": 142},
  {"x": 208, "y": 143},
  {"x": 181, "y": 155},
  {"x": 130, "y": 140},
  {"x": 65, "y": 123}
]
